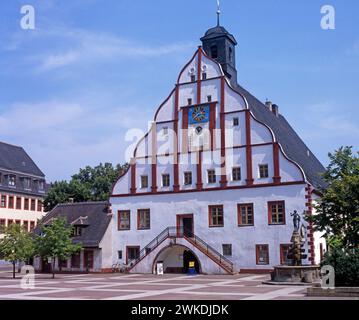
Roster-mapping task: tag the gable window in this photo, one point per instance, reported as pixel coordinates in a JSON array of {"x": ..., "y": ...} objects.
[
  {"x": 263, "y": 171},
  {"x": 18, "y": 203},
  {"x": 193, "y": 78},
  {"x": 33, "y": 204},
  {"x": 236, "y": 174},
  {"x": 245, "y": 214},
  {"x": 143, "y": 219},
  {"x": 214, "y": 52},
  {"x": 204, "y": 76},
  {"x": 124, "y": 220},
  {"x": 26, "y": 204},
  {"x": 276, "y": 212},
  {"x": 262, "y": 254},
  {"x": 144, "y": 182},
  {"x": 133, "y": 253},
  {"x": 12, "y": 181},
  {"x": 216, "y": 216},
  {"x": 165, "y": 131},
  {"x": 209, "y": 98},
  {"x": 188, "y": 178},
  {"x": 284, "y": 250},
  {"x": 227, "y": 249},
  {"x": 211, "y": 174},
  {"x": 235, "y": 122},
  {"x": 189, "y": 101},
  {"x": 3, "y": 201},
  {"x": 11, "y": 202},
  {"x": 165, "y": 180}
]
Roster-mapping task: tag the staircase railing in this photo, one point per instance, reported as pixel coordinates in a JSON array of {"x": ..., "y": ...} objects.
[{"x": 180, "y": 232}]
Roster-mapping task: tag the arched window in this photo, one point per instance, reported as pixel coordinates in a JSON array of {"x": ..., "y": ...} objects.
[
  {"x": 230, "y": 54},
  {"x": 214, "y": 52}
]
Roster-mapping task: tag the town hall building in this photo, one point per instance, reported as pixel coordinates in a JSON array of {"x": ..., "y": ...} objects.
[{"x": 216, "y": 179}]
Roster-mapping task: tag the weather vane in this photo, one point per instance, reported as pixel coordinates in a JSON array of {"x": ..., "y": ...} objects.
[{"x": 218, "y": 11}]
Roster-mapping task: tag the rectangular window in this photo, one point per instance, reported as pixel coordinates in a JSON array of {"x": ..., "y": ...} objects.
[
  {"x": 18, "y": 222},
  {"x": 41, "y": 185},
  {"x": 39, "y": 205},
  {"x": 209, "y": 98},
  {"x": 204, "y": 76},
  {"x": 262, "y": 254},
  {"x": 245, "y": 214},
  {"x": 133, "y": 253},
  {"x": 32, "y": 225},
  {"x": 276, "y": 212},
  {"x": 165, "y": 180},
  {"x": 27, "y": 183},
  {"x": 124, "y": 220},
  {"x": 2, "y": 225},
  {"x": 10, "y": 222},
  {"x": 227, "y": 249},
  {"x": 236, "y": 174},
  {"x": 3, "y": 201},
  {"x": 188, "y": 178},
  {"x": 26, "y": 204},
  {"x": 211, "y": 174},
  {"x": 143, "y": 219},
  {"x": 284, "y": 250},
  {"x": 18, "y": 203},
  {"x": 119, "y": 254},
  {"x": 144, "y": 182},
  {"x": 263, "y": 171},
  {"x": 76, "y": 260},
  {"x": 11, "y": 202},
  {"x": 216, "y": 216},
  {"x": 63, "y": 264},
  {"x": 25, "y": 225},
  {"x": 193, "y": 78},
  {"x": 165, "y": 131},
  {"x": 33, "y": 204},
  {"x": 235, "y": 122},
  {"x": 189, "y": 101}
]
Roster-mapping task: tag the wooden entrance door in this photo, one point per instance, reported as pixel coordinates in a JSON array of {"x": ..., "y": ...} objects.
[{"x": 185, "y": 224}]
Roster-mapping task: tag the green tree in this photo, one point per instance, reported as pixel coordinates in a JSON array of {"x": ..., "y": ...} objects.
[
  {"x": 338, "y": 208},
  {"x": 54, "y": 241},
  {"x": 90, "y": 184},
  {"x": 17, "y": 245}
]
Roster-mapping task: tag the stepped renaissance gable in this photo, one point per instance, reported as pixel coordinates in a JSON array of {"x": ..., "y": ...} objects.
[{"x": 216, "y": 178}]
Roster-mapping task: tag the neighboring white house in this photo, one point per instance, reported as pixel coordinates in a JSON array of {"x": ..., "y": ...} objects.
[{"x": 215, "y": 179}]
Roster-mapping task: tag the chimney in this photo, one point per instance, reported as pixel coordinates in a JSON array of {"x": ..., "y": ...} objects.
[
  {"x": 269, "y": 105},
  {"x": 275, "y": 110}
]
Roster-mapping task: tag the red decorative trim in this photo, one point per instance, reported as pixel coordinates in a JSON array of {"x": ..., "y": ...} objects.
[
  {"x": 249, "y": 179},
  {"x": 178, "y": 221},
  {"x": 199, "y": 183},
  {"x": 276, "y": 178},
  {"x": 263, "y": 185},
  {"x": 223, "y": 181},
  {"x": 199, "y": 72},
  {"x": 212, "y": 124},
  {"x": 133, "y": 177},
  {"x": 154, "y": 158},
  {"x": 185, "y": 130}
]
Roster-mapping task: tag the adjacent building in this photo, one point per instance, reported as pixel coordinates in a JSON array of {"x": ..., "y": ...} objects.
[{"x": 22, "y": 188}]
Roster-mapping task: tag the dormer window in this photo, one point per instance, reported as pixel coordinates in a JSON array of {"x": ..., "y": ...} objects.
[
  {"x": 26, "y": 183},
  {"x": 214, "y": 52},
  {"x": 12, "y": 181},
  {"x": 41, "y": 185},
  {"x": 77, "y": 231}
]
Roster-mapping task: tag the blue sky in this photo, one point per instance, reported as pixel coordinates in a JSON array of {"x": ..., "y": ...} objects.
[{"x": 92, "y": 69}]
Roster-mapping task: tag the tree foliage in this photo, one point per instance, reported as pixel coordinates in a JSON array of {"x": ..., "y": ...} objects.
[
  {"x": 16, "y": 245},
  {"x": 90, "y": 184},
  {"x": 338, "y": 208},
  {"x": 54, "y": 241}
]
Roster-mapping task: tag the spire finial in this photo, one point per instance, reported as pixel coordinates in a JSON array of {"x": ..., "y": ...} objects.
[{"x": 218, "y": 12}]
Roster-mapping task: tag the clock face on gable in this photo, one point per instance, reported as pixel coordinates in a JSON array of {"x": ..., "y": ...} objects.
[{"x": 199, "y": 114}]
